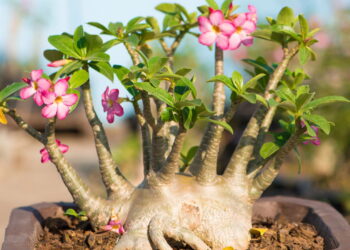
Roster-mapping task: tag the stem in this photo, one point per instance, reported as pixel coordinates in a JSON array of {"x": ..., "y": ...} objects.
[
  {"x": 205, "y": 163},
  {"x": 97, "y": 209},
  {"x": 144, "y": 118},
  {"x": 116, "y": 184},
  {"x": 171, "y": 166},
  {"x": 265, "y": 178},
  {"x": 25, "y": 126},
  {"x": 245, "y": 148}
]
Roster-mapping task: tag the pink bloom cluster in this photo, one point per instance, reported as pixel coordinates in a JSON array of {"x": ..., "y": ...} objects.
[
  {"x": 114, "y": 226},
  {"x": 45, "y": 157},
  {"x": 314, "y": 140},
  {"x": 54, "y": 96},
  {"x": 230, "y": 33},
  {"x": 111, "y": 105}
]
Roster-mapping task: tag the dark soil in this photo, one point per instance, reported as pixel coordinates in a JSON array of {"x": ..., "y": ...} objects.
[{"x": 70, "y": 234}]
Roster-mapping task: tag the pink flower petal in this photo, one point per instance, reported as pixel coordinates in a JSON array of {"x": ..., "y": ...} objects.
[
  {"x": 69, "y": 99},
  {"x": 118, "y": 109},
  {"x": 106, "y": 228},
  {"x": 227, "y": 28},
  {"x": 110, "y": 116},
  {"x": 207, "y": 38},
  {"x": 204, "y": 24},
  {"x": 114, "y": 94},
  {"x": 44, "y": 84},
  {"x": 64, "y": 148},
  {"x": 62, "y": 111},
  {"x": 216, "y": 17},
  {"x": 222, "y": 42},
  {"x": 48, "y": 97},
  {"x": 38, "y": 99},
  {"x": 249, "y": 26},
  {"x": 234, "y": 41},
  {"x": 49, "y": 111},
  {"x": 36, "y": 74},
  {"x": 248, "y": 41},
  {"x": 26, "y": 92},
  {"x": 61, "y": 87},
  {"x": 252, "y": 8},
  {"x": 239, "y": 20},
  {"x": 45, "y": 157}
]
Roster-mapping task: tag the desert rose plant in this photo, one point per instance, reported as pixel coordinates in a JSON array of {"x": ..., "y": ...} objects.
[{"x": 195, "y": 205}]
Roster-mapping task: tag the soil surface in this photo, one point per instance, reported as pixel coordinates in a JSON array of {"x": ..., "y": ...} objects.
[{"x": 68, "y": 233}]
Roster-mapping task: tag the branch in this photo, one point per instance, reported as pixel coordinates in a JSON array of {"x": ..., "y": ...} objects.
[
  {"x": 204, "y": 166},
  {"x": 267, "y": 176},
  {"x": 237, "y": 166},
  {"x": 116, "y": 184},
  {"x": 171, "y": 166},
  {"x": 98, "y": 210},
  {"x": 25, "y": 126}
]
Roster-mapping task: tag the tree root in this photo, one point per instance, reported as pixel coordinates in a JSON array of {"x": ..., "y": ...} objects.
[{"x": 161, "y": 227}]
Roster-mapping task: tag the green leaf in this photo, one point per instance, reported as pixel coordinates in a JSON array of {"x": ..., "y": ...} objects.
[
  {"x": 133, "y": 39},
  {"x": 213, "y": 4},
  {"x": 309, "y": 129},
  {"x": 286, "y": 17},
  {"x": 258, "y": 64},
  {"x": 304, "y": 26},
  {"x": 158, "y": 93},
  {"x": 80, "y": 43},
  {"x": 94, "y": 44},
  {"x": 268, "y": 149},
  {"x": 320, "y": 122},
  {"x": 187, "y": 82},
  {"x": 203, "y": 9},
  {"x": 64, "y": 44},
  {"x": 98, "y": 57},
  {"x": 130, "y": 26},
  {"x": 167, "y": 115},
  {"x": 187, "y": 103},
  {"x": 188, "y": 118},
  {"x": 121, "y": 72},
  {"x": 71, "y": 212},
  {"x": 11, "y": 89},
  {"x": 325, "y": 100},
  {"x": 225, "y": 6},
  {"x": 222, "y": 78},
  {"x": 100, "y": 26},
  {"x": 225, "y": 125},
  {"x": 303, "y": 98},
  {"x": 77, "y": 92},
  {"x": 103, "y": 68},
  {"x": 111, "y": 43},
  {"x": 288, "y": 105},
  {"x": 250, "y": 97},
  {"x": 53, "y": 55},
  {"x": 167, "y": 8},
  {"x": 78, "y": 78},
  {"x": 152, "y": 21},
  {"x": 237, "y": 79},
  {"x": 304, "y": 55},
  {"x": 183, "y": 71},
  {"x": 155, "y": 64},
  {"x": 252, "y": 82},
  {"x": 67, "y": 69}
]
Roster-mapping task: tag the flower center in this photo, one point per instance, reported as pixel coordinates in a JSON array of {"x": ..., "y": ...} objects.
[
  {"x": 239, "y": 29},
  {"x": 110, "y": 103},
  {"x": 58, "y": 99},
  {"x": 35, "y": 85},
  {"x": 216, "y": 29}
]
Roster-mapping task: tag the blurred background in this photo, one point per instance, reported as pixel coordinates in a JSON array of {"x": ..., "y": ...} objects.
[{"x": 25, "y": 26}]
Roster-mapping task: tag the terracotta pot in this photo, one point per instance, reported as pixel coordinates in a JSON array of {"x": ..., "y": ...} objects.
[{"x": 25, "y": 222}]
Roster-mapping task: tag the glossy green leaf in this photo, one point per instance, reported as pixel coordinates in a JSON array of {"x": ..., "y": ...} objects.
[
  {"x": 98, "y": 57},
  {"x": 304, "y": 55},
  {"x": 225, "y": 6},
  {"x": 304, "y": 26},
  {"x": 11, "y": 89},
  {"x": 286, "y": 17},
  {"x": 158, "y": 93},
  {"x": 64, "y": 44},
  {"x": 187, "y": 82},
  {"x": 130, "y": 26},
  {"x": 153, "y": 22},
  {"x": 225, "y": 125},
  {"x": 103, "y": 68},
  {"x": 79, "y": 39},
  {"x": 213, "y": 4},
  {"x": 67, "y": 69},
  {"x": 121, "y": 72},
  {"x": 78, "y": 78},
  {"x": 167, "y": 8},
  {"x": 320, "y": 122},
  {"x": 53, "y": 55},
  {"x": 309, "y": 129},
  {"x": 71, "y": 212},
  {"x": 100, "y": 26},
  {"x": 325, "y": 100},
  {"x": 155, "y": 64},
  {"x": 222, "y": 78},
  {"x": 268, "y": 149},
  {"x": 252, "y": 82}
]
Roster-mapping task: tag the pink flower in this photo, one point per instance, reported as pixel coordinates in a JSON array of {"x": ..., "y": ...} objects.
[
  {"x": 114, "y": 226},
  {"x": 58, "y": 102},
  {"x": 111, "y": 105},
  {"x": 215, "y": 29},
  {"x": 59, "y": 63},
  {"x": 315, "y": 139},
  {"x": 45, "y": 157},
  {"x": 36, "y": 86},
  {"x": 245, "y": 24}
]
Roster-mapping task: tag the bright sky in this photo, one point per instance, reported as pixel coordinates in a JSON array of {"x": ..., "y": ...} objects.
[{"x": 49, "y": 17}]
